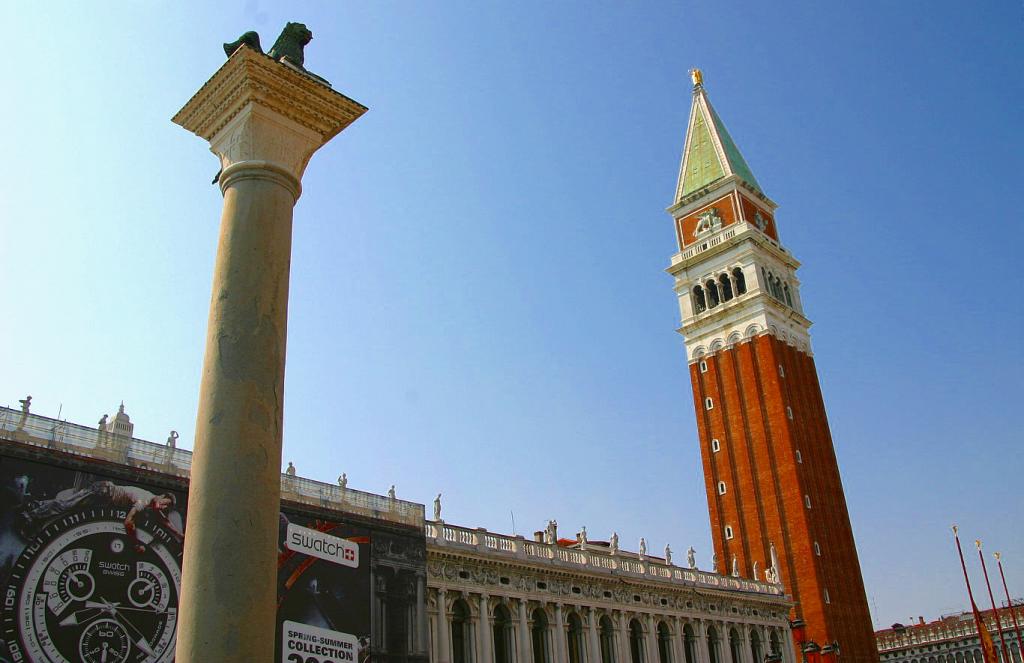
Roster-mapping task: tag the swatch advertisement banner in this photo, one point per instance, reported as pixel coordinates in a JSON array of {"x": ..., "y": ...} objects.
[
  {"x": 90, "y": 570},
  {"x": 323, "y": 583},
  {"x": 90, "y": 566}
]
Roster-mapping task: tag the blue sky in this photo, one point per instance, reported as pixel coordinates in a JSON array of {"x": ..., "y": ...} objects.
[{"x": 478, "y": 302}]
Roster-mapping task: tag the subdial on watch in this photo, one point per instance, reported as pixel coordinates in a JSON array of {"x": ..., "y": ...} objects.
[
  {"x": 77, "y": 584},
  {"x": 141, "y": 592},
  {"x": 104, "y": 641},
  {"x": 150, "y": 588}
]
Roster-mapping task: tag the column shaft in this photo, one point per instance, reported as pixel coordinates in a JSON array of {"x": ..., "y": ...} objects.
[
  {"x": 594, "y": 655},
  {"x": 723, "y": 630},
  {"x": 444, "y": 649},
  {"x": 230, "y": 550},
  {"x": 622, "y": 640},
  {"x": 485, "y": 630},
  {"x": 678, "y": 654},
  {"x": 559, "y": 644},
  {"x": 653, "y": 654},
  {"x": 525, "y": 641},
  {"x": 701, "y": 645}
]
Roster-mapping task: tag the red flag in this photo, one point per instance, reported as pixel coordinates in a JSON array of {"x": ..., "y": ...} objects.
[{"x": 988, "y": 647}]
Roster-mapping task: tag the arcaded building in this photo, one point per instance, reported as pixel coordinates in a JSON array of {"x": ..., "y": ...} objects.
[
  {"x": 495, "y": 598},
  {"x": 770, "y": 469}
]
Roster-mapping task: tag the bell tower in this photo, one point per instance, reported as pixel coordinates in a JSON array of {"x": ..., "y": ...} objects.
[{"x": 774, "y": 492}]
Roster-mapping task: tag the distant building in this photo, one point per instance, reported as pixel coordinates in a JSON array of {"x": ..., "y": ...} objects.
[
  {"x": 949, "y": 639},
  {"x": 774, "y": 492}
]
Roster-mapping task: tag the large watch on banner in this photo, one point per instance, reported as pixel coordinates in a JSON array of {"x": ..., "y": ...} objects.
[{"x": 85, "y": 591}]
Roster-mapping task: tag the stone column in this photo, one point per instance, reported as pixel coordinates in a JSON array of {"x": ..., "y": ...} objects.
[
  {"x": 622, "y": 639},
  {"x": 559, "y": 652},
  {"x": 594, "y": 655},
  {"x": 678, "y": 644},
  {"x": 264, "y": 121},
  {"x": 444, "y": 630},
  {"x": 525, "y": 639},
  {"x": 700, "y": 644},
  {"x": 746, "y": 656},
  {"x": 653, "y": 654},
  {"x": 486, "y": 630},
  {"x": 723, "y": 630}
]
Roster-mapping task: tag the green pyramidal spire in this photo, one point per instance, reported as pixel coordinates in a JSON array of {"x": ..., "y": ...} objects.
[{"x": 710, "y": 153}]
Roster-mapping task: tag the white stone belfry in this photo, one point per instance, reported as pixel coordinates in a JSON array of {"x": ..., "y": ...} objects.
[{"x": 264, "y": 120}]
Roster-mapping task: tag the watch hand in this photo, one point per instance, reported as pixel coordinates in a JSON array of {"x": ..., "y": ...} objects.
[
  {"x": 107, "y": 606},
  {"x": 73, "y": 618},
  {"x": 141, "y": 643},
  {"x": 149, "y": 610},
  {"x": 103, "y": 654}
]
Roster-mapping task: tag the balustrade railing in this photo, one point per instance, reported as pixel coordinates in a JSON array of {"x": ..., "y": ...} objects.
[
  {"x": 100, "y": 444},
  {"x": 591, "y": 557},
  {"x": 721, "y": 236}
]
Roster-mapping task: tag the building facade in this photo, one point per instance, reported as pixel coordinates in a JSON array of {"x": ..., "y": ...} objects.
[
  {"x": 494, "y": 598},
  {"x": 950, "y": 639},
  {"x": 772, "y": 479}
]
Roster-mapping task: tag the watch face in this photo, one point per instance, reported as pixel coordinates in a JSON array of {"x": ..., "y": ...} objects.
[{"x": 84, "y": 590}]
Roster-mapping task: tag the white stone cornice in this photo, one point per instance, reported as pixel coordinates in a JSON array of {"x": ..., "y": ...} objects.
[{"x": 252, "y": 92}]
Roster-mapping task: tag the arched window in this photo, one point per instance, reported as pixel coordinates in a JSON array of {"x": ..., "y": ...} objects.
[
  {"x": 725, "y": 287},
  {"x": 735, "y": 645},
  {"x": 755, "y": 646},
  {"x": 778, "y": 288},
  {"x": 503, "y": 636},
  {"x": 741, "y": 281},
  {"x": 773, "y": 643},
  {"x": 699, "y": 303},
  {"x": 664, "y": 643},
  {"x": 712, "y": 289},
  {"x": 689, "y": 644},
  {"x": 574, "y": 638},
  {"x": 462, "y": 641},
  {"x": 714, "y": 646},
  {"x": 607, "y": 640},
  {"x": 785, "y": 291},
  {"x": 636, "y": 641},
  {"x": 541, "y": 651}
]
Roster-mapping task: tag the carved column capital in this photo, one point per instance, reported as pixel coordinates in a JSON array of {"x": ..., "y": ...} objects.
[{"x": 265, "y": 120}]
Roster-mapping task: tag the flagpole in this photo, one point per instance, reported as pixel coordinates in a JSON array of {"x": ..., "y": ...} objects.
[
  {"x": 974, "y": 608},
  {"x": 1009, "y": 603},
  {"x": 995, "y": 610}
]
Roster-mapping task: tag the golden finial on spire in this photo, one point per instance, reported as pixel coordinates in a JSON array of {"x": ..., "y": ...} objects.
[{"x": 697, "y": 77}]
